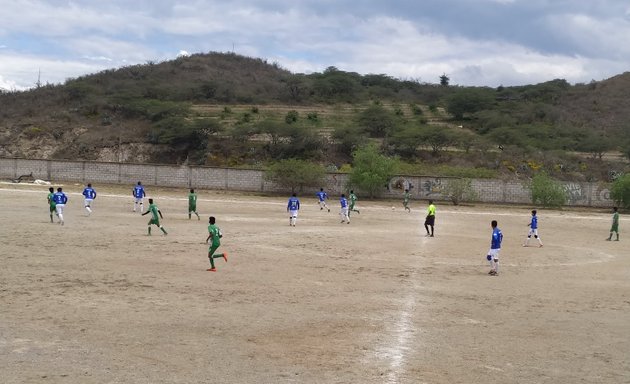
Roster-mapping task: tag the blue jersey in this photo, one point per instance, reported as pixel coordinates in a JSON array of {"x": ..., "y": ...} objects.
[
  {"x": 534, "y": 223},
  {"x": 344, "y": 202},
  {"x": 89, "y": 193},
  {"x": 60, "y": 198},
  {"x": 138, "y": 192},
  {"x": 497, "y": 238},
  {"x": 321, "y": 195},
  {"x": 294, "y": 204}
]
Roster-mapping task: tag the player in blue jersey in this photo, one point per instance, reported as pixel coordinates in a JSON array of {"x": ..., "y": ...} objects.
[
  {"x": 293, "y": 207},
  {"x": 495, "y": 248},
  {"x": 344, "y": 209},
  {"x": 533, "y": 230},
  {"x": 90, "y": 194},
  {"x": 138, "y": 194},
  {"x": 322, "y": 197},
  {"x": 60, "y": 200}
]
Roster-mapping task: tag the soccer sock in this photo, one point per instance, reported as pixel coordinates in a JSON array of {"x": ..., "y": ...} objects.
[
  {"x": 496, "y": 266},
  {"x": 149, "y": 229},
  {"x": 51, "y": 218},
  {"x": 163, "y": 230},
  {"x": 135, "y": 206},
  {"x": 211, "y": 261},
  {"x": 431, "y": 230},
  {"x": 539, "y": 241},
  {"x": 188, "y": 215},
  {"x": 60, "y": 217},
  {"x": 198, "y": 218},
  {"x": 141, "y": 207}
]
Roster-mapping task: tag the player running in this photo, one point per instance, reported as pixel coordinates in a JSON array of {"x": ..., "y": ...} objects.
[
  {"x": 154, "y": 211},
  {"x": 90, "y": 194},
  {"x": 615, "y": 225},
  {"x": 495, "y": 248},
  {"x": 138, "y": 194},
  {"x": 344, "y": 209},
  {"x": 429, "y": 221},
  {"x": 60, "y": 199},
  {"x": 51, "y": 203},
  {"x": 533, "y": 230},
  {"x": 293, "y": 206},
  {"x": 353, "y": 201},
  {"x": 192, "y": 204},
  {"x": 214, "y": 234},
  {"x": 406, "y": 198},
  {"x": 322, "y": 197}
]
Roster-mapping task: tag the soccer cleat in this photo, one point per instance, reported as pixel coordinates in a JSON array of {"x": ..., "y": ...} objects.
[
  {"x": 608, "y": 239},
  {"x": 211, "y": 269},
  {"x": 616, "y": 239},
  {"x": 492, "y": 272},
  {"x": 540, "y": 246},
  {"x": 225, "y": 256},
  {"x": 328, "y": 209},
  {"x": 348, "y": 222},
  {"x": 321, "y": 209},
  {"x": 431, "y": 236}
]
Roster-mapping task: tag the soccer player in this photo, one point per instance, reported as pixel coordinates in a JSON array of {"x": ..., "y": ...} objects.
[
  {"x": 154, "y": 211},
  {"x": 293, "y": 206},
  {"x": 192, "y": 204},
  {"x": 138, "y": 194},
  {"x": 353, "y": 201},
  {"x": 406, "y": 198},
  {"x": 322, "y": 197},
  {"x": 51, "y": 203},
  {"x": 90, "y": 195},
  {"x": 429, "y": 221},
  {"x": 344, "y": 209},
  {"x": 214, "y": 234},
  {"x": 495, "y": 248},
  {"x": 60, "y": 200},
  {"x": 533, "y": 230},
  {"x": 615, "y": 225}
]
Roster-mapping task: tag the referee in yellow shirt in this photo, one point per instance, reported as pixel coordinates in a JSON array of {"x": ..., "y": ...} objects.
[{"x": 430, "y": 220}]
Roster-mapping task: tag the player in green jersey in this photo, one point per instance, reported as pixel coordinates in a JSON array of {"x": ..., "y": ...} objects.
[
  {"x": 615, "y": 225},
  {"x": 353, "y": 201},
  {"x": 214, "y": 234},
  {"x": 51, "y": 203},
  {"x": 192, "y": 204},
  {"x": 406, "y": 198},
  {"x": 155, "y": 219}
]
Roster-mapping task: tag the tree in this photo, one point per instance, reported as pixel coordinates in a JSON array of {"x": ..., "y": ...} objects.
[
  {"x": 458, "y": 190},
  {"x": 371, "y": 171},
  {"x": 546, "y": 191},
  {"x": 377, "y": 121},
  {"x": 620, "y": 191},
  {"x": 437, "y": 138},
  {"x": 469, "y": 100},
  {"x": 295, "y": 174},
  {"x": 444, "y": 80}
]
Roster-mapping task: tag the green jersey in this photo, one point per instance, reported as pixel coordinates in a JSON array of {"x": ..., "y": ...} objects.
[
  {"x": 216, "y": 234},
  {"x": 51, "y": 202},
  {"x": 616, "y": 218},
  {"x": 406, "y": 197},
  {"x": 353, "y": 198},
  {"x": 192, "y": 200},
  {"x": 154, "y": 212}
]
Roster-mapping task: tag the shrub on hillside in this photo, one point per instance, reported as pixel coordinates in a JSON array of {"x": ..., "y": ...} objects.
[
  {"x": 460, "y": 190},
  {"x": 295, "y": 174},
  {"x": 371, "y": 171}
]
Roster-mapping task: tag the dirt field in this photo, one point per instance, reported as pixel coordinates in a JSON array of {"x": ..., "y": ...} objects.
[{"x": 98, "y": 301}]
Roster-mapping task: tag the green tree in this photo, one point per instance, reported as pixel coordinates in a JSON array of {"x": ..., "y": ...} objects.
[
  {"x": 437, "y": 138},
  {"x": 444, "y": 80},
  {"x": 468, "y": 101},
  {"x": 295, "y": 174},
  {"x": 459, "y": 190},
  {"x": 377, "y": 121},
  {"x": 620, "y": 191},
  {"x": 371, "y": 171},
  {"x": 546, "y": 191}
]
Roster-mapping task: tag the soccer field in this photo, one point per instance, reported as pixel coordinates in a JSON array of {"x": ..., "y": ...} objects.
[{"x": 99, "y": 301}]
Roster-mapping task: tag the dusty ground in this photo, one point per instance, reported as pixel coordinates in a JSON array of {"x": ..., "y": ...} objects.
[{"x": 98, "y": 301}]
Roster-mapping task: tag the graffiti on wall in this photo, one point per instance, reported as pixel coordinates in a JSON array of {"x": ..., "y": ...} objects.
[
  {"x": 433, "y": 186},
  {"x": 400, "y": 183},
  {"x": 575, "y": 193}
]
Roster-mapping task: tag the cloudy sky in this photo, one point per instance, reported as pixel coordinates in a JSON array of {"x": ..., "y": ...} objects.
[{"x": 475, "y": 42}]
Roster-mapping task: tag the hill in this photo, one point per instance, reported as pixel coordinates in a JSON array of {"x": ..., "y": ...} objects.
[{"x": 227, "y": 109}]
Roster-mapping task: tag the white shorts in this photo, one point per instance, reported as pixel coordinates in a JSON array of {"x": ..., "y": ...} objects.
[
  {"x": 59, "y": 208},
  {"x": 293, "y": 213},
  {"x": 88, "y": 202},
  {"x": 322, "y": 203},
  {"x": 138, "y": 200},
  {"x": 494, "y": 253},
  {"x": 344, "y": 212},
  {"x": 533, "y": 232}
]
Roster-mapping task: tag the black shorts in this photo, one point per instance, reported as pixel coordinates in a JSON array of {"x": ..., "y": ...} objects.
[{"x": 430, "y": 220}]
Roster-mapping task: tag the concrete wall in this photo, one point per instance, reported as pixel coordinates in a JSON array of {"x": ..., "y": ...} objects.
[{"x": 421, "y": 187}]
